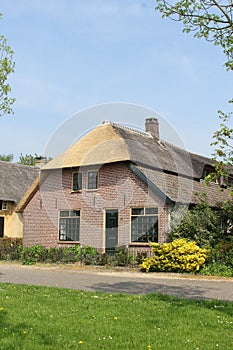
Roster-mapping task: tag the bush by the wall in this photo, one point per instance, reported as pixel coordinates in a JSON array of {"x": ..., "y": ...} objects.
[
  {"x": 10, "y": 248},
  {"x": 177, "y": 256}
]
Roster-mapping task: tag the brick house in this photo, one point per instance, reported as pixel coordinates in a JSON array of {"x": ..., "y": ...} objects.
[
  {"x": 15, "y": 180},
  {"x": 115, "y": 186}
]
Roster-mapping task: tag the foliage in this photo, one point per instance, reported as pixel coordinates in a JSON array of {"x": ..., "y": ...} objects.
[
  {"x": 217, "y": 269},
  {"x": 208, "y": 19},
  {"x": 200, "y": 224},
  {"x": 7, "y": 157},
  {"x": 213, "y": 21},
  {"x": 7, "y": 66},
  {"x": 222, "y": 254},
  {"x": 177, "y": 256},
  {"x": 10, "y": 248},
  {"x": 27, "y": 159},
  {"x": 122, "y": 256},
  {"x": 38, "y": 253},
  {"x": 45, "y": 318},
  {"x": 223, "y": 152}
]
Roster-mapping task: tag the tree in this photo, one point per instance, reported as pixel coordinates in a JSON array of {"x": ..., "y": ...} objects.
[
  {"x": 27, "y": 159},
  {"x": 208, "y": 19},
  {"x": 6, "y": 68},
  {"x": 223, "y": 152},
  {"x": 213, "y": 21},
  {"x": 6, "y": 157}
]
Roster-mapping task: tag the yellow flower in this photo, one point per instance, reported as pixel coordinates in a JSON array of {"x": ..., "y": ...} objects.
[
  {"x": 148, "y": 347},
  {"x": 115, "y": 318},
  {"x": 80, "y": 342},
  {"x": 1, "y": 308}
]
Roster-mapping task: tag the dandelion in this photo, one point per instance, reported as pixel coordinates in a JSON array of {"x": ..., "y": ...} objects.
[
  {"x": 80, "y": 342},
  {"x": 115, "y": 318},
  {"x": 148, "y": 347},
  {"x": 1, "y": 308}
]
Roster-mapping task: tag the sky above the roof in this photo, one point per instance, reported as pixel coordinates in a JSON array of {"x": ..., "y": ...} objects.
[{"x": 73, "y": 55}]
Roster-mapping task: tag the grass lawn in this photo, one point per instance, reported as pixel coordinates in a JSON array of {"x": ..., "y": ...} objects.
[{"x": 50, "y": 318}]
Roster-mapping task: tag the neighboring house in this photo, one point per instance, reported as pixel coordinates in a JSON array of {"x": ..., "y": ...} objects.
[
  {"x": 14, "y": 182},
  {"x": 115, "y": 186}
]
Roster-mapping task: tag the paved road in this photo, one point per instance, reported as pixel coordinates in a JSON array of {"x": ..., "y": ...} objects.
[{"x": 94, "y": 279}]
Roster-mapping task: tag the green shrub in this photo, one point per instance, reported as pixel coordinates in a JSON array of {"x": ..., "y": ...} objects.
[
  {"x": 122, "y": 256},
  {"x": 10, "y": 248},
  {"x": 89, "y": 255},
  {"x": 222, "y": 254},
  {"x": 217, "y": 269},
  {"x": 177, "y": 256},
  {"x": 36, "y": 253}
]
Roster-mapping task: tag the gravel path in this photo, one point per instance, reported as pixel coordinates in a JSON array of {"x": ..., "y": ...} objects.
[{"x": 97, "y": 279}]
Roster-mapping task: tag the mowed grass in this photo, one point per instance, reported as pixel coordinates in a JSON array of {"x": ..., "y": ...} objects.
[{"x": 51, "y": 318}]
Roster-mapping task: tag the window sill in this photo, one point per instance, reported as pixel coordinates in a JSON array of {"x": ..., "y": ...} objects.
[
  {"x": 68, "y": 242},
  {"x": 76, "y": 191},
  {"x": 139, "y": 244}
]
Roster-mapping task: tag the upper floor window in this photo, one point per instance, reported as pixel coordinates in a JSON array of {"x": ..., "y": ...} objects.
[
  {"x": 144, "y": 224},
  {"x": 3, "y": 205},
  {"x": 92, "y": 180},
  {"x": 207, "y": 171},
  {"x": 77, "y": 181}
]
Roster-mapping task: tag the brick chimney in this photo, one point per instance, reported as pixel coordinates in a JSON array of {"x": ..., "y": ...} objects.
[
  {"x": 152, "y": 127},
  {"x": 40, "y": 161}
]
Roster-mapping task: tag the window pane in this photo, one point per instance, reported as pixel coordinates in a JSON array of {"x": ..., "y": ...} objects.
[
  {"x": 69, "y": 229},
  {"x": 92, "y": 179},
  {"x": 75, "y": 213},
  {"x": 151, "y": 211},
  {"x": 137, "y": 211},
  {"x": 64, "y": 213},
  {"x": 144, "y": 228},
  {"x": 77, "y": 181}
]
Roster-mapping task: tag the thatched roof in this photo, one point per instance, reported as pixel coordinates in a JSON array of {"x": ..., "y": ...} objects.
[
  {"x": 111, "y": 142},
  {"x": 15, "y": 180},
  {"x": 181, "y": 189},
  {"x": 169, "y": 170}
]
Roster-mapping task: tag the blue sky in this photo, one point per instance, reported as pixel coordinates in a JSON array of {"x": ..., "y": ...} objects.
[{"x": 72, "y": 55}]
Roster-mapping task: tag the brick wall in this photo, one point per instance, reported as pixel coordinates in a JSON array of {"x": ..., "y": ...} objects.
[{"x": 118, "y": 188}]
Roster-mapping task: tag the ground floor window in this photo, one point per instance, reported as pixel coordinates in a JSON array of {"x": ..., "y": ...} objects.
[
  {"x": 144, "y": 224},
  {"x": 69, "y": 225}
]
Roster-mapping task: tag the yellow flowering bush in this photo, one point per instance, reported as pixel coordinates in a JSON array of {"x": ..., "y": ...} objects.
[{"x": 177, "y": 256}]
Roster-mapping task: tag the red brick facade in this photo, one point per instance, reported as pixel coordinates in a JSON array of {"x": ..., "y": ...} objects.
[{"x": 118, "y": 188}]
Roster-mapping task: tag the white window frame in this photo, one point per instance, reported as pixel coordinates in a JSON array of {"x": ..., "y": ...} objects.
[
  {"x": 144, "y": 214},
  {"x": 63, "y": 224}
]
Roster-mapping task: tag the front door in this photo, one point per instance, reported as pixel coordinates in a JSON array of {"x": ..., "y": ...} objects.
[
  {"x": 1, "y": 226},
  {"x": 111, "y": 230}
]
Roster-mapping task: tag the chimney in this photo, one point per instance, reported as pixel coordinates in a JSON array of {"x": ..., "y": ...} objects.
[
  {"x": 40, "y": 161},
  {"x": 152, "y": 127}
]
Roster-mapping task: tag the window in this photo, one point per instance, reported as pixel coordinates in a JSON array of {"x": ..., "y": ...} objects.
[
  {"x": 3, "y": 205},
  {"x": 92, "y": 180},
  {"x": 69, "y": 225},
  {"x": 207, "y": 171},
  {"x": 144, "y": 224},
  {"x": 77, "y": 181}
]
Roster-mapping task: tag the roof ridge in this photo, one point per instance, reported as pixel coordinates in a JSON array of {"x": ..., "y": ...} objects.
[
  {"x": 19, "y": 165},
  {"x": 120, "y": 126}
]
